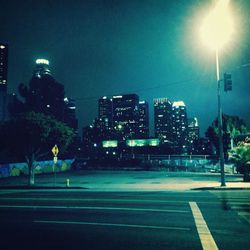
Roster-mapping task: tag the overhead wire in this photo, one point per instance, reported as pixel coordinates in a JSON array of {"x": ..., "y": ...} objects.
[{"x": 142, "y": 89}]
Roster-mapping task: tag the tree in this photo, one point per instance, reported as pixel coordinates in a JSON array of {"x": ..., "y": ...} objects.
[
  {"x": 240, "y": 155},
  {"x": 30, "y": 136},
  {"x": 232, "y": 126}
]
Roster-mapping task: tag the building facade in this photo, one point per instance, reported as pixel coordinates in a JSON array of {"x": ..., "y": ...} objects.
[
  {"x": 180, "y": 126},
  {"x": 3, "y": 81},
  {"x": 70, "y": 113},
  {"x": 105, "y": 116},
  {"x": 42, "y": 68},
  {"x": 193, "y": 129},
  {"x": 193, "y": 134},
  {"x": 163, "y": 119},
  {"x": 143, "y": 124},
  {"x": 126, "y": 116}
]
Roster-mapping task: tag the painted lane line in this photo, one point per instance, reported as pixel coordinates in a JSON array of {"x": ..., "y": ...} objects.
[
  {"x": 240, "y": 206},
  {"x": 95, "y": 208},
  {"x": 111, "y": 225},
  {"x": 88, "y": 199},
  {"x": 245, "y": 216},
  {"x": 12, "y": 192},
  {"x": 244, "y": 213},
  {"x": 105, "y": 200},
  {"x": 205, "y": 235}
]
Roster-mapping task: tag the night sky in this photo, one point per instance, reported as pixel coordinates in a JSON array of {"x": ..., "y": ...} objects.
[{"x": 148, "y": 47}]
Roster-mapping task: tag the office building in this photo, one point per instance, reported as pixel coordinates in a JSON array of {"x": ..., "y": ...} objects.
[
  {"x": 42, "y": 68},
  {"x": 3, "y": 66},
  {"x": 193, "y": 134},
  {"x": 193, "y": 129},
  {"x": 180, "y": 125},
  {"x": 105, "y": 116},
  {"x": 126, "y": 116},
  {"x": 143, "y": 125},
  {"x": 163, "y": 119},
  {"x": 70, "y": 113},
  {"x": 89, "y": 140},
  {"x": 3, "y": 81}
]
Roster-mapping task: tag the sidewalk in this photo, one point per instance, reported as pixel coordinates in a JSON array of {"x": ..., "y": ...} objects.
[{"x": 129, "y": 181}]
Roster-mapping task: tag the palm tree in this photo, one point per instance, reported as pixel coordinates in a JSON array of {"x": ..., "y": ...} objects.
[
  {"x": 234, "y": 126},
  {"x": 240, "y": 155}
]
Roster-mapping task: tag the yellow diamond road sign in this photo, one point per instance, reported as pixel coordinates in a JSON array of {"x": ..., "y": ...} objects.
[{"x": 55, "y": 150}]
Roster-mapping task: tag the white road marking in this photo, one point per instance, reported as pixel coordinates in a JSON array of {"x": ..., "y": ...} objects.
[
  {"x": 244, "y": 213},
  {"x": 95, "y": 208},
  {"x": 205, "y": 235},
  {"x": 104, "y": 200},
  {"x": 245, "y": 216},
  {"x": 12, "y": 191},
  {"x": 111, "y": 225},
  {"x": 239, "y": 205},
  {"x": 88, "y": 199}
]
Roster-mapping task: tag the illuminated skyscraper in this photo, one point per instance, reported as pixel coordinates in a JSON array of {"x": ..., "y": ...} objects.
[
  {"x": 42, "y": 68},
  {"x": 3, "y": 80},
  {"x": 126, "y": 115},
  {"x": 143, "y": 125},
  {"x": 193, "y": 133},
  {"x": 193, "y": 129},
  {"x": 105, "y": 117},
  {"x": 3, "y": 66},
  {"x": 180, "y": 125},
  {"x": 45, "y": 95},
  {"x": 105, "y": 111},
  {"x": 163, "y": 119}
]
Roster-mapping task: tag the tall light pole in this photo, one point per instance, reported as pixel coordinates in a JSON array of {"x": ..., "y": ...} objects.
[
  {"x": 216, "y": 31},
  {"x": 220, "y": 133}
]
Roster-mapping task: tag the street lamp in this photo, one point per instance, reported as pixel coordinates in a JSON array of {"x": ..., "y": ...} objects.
[{"x": 216, "y": 31}]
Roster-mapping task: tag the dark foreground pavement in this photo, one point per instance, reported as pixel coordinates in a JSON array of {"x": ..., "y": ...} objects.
[{"x": 78, "y": 219}]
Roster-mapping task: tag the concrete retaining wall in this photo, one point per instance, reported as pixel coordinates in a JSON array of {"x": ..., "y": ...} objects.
[{"x": 16, "y": 169}]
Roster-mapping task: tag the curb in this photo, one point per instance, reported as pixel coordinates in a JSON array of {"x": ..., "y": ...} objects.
[
  {"x": 221, "y": 188},
  {"x": 40, "y": 187}
]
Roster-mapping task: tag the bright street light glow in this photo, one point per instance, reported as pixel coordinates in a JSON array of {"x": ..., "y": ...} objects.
[{"x": 217, "y": 27}]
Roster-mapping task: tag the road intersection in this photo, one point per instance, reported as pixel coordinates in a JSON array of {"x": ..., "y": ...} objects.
[
  {"x": 125, "y": 210},
  {"x": 79, "y": 219}
]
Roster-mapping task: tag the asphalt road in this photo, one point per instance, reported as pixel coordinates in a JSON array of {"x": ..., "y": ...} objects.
[{"x": 77, "y": 219}]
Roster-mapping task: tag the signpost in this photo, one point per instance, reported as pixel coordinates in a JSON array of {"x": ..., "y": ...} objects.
[{"x": 55, "y": 152}]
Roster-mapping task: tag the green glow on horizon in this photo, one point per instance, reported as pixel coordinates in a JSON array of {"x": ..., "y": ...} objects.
[
  {"x": 143, "y": 142},
  {"x": 110, "y": 144}
]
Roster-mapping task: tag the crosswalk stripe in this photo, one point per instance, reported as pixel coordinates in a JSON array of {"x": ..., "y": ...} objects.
[{"x": 205, "y": 235}]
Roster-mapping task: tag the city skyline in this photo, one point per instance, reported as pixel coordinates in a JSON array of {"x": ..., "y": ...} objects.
[
  {"x": 169, "y": 117},
  {"x": 125, "y": 119},
  {"x": 116, "y": 47},
  {"x": 125, "y": 114}
]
